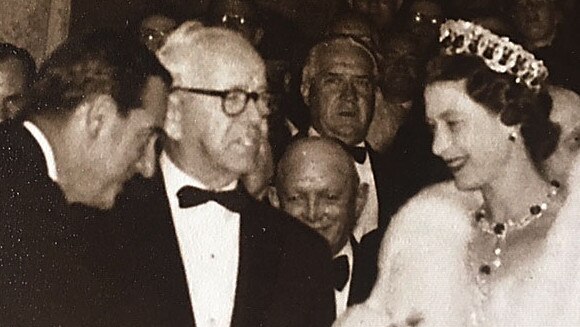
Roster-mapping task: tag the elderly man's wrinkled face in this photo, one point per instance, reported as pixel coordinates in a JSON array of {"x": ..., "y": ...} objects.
[
  {"x": 318, "y": 185},
  {"x": 228, "y": 142},
  {"x": 12, "y": 86},
  {"x": 341, "y": 94}
]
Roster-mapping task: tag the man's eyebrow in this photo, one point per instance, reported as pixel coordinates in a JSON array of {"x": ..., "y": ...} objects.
[{"x": 449, "y": 113}]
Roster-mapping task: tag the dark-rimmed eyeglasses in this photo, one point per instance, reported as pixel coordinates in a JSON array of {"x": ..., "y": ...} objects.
[{"x": 235, "y": 101}]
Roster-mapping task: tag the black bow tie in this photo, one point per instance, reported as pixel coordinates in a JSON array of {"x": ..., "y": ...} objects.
[
  {"x": 359, "y": 153},
  {"x": 190, "y": 196},
  {"x": 341, "y": 271}
]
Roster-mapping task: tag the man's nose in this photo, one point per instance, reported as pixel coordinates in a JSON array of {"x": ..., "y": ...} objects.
[
  {"x": 349, "y": 90},
  {"x": 312, "y": 209}
]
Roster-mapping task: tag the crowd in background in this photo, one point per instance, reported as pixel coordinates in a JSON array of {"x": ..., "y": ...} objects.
[{"x": 340, "y": 134}]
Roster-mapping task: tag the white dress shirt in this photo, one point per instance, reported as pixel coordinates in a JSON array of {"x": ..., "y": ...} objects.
[
  {"x": 341, "y": 297},
  {"x": 45, "y": 147},
  {"x": 369, "y": 218},
  {"x": 208, "y": 237}
]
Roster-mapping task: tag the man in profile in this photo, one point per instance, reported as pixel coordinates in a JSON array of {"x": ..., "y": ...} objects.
[
  {"x": 91, "y": 120},
  {"x": 199, "y": 250}
]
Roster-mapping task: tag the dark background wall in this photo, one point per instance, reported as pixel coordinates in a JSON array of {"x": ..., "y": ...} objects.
[{"x": 309, "y": 16}]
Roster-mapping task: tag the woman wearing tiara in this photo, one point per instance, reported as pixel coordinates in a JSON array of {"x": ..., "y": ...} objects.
[{"x": 498, "y": 245}]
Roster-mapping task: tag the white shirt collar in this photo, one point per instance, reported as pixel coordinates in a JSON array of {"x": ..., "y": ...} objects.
[
  {"x": 346, "y": 250},
  {"x": 45, "y": 147},
  {"x": 314, "y": 132},
  {"x": 175, "y": 178}
]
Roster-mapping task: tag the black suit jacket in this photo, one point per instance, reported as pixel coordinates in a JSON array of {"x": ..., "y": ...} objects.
[
  {"x": 364, "y": 270},
  {"x": 283, "y": 275},
  {"x": 42, "y": 279}
]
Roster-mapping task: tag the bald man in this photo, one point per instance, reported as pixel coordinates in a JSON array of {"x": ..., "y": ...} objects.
[
  {"x": 201, "y": 251},
  {"x": 317, "y": 183}
]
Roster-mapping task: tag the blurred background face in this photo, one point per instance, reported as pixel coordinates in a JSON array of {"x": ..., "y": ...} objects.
[
  {"x": 154, "y": 30},
  {"x": 424, "y": 19},
  {"x": 341, "y": 95},
  {"x": 401, "y": 69},
  {"x": 382, "y": 13},
  {"x": 12, "y": 87},
  {"x": 237, "y": 15},
  {"x": 473, "y": 143},
  {"x": 318, "y": 188},
  {"x": 535, "y": 19},
  {"x": 356, "y": 27}
]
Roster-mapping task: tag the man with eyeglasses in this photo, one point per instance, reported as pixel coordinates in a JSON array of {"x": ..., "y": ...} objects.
[{"x": 201, "y": 250}]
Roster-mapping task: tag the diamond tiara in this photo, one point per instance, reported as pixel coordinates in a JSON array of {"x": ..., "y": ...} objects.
[{"x": 499, "y": 53}]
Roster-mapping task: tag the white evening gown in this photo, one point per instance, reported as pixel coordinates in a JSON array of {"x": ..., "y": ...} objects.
[{"x": 425, "y": 278}]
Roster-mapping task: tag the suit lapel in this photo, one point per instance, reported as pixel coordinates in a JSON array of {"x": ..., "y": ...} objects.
[
  {"x": 157, "y": 252},
  {"x": 380, "y": 168},
  {"x": 260, "y": 254}
]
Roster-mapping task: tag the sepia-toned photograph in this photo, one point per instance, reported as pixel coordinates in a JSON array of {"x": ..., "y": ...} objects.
[{"x": 289, "y": 163}]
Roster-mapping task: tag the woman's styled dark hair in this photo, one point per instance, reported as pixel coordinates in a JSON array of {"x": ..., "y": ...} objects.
[{"x": 501, "y": 95}]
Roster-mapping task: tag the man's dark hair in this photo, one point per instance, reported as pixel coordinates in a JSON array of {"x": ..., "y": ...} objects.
[
  {"x": 10, "y": 51},
  {"x": 98, "y": 63}
]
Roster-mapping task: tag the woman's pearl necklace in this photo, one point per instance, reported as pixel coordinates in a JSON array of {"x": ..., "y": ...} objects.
[{"x": 500, "y": 230}]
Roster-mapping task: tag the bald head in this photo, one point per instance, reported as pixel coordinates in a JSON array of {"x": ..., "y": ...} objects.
[
  {"x": 318, "y": 154},
  {"x": 317, "y": 183}
]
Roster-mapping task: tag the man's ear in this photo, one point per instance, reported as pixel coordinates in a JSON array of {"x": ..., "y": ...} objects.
[
  {"x": 173, "y": 127},
  {"x": 273, "y": 197},
  {"x": 362, "y": 194},
  {"x": 97, "y": 113}
]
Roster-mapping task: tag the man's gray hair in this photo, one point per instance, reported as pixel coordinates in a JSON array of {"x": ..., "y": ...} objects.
[
  {"x": 310, "y": 69},
  {"x": 188, "y": 45}
]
